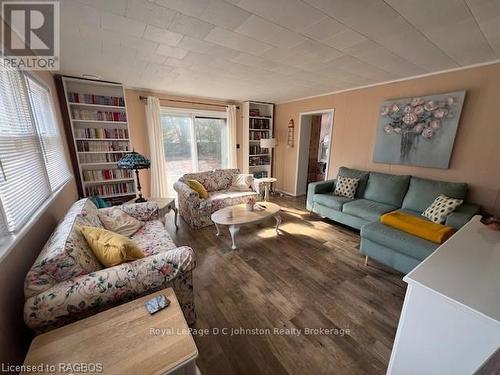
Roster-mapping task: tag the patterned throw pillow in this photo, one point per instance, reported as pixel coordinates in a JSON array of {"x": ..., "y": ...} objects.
[
  {"x": 442, "y": 206},
  {"x": 346, "y": 186}
]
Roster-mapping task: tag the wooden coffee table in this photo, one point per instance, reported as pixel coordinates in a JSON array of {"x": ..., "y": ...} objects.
[
  {"x": 123, "y": 340},
  {"x": 236, "y": 216}
]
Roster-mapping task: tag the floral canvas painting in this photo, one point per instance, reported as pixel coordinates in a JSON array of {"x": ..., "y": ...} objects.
[{"x": 418, "y": 131}]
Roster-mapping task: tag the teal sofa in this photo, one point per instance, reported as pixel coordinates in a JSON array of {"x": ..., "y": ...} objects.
[{"x": 379, "y": 193}]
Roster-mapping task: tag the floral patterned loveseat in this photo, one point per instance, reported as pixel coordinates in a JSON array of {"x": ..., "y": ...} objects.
[
  {"x": 67, "y": 283},
  {"x": 197, "y": 211}
]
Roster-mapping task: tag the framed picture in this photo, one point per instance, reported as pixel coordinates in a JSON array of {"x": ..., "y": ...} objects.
[{"x": 418, "y": 131}]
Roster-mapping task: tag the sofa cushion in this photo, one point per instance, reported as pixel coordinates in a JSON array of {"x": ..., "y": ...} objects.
[
  {"x": 386, "y": 188},
  {"x": 204, "y": 178},
  {"x": 366, "y": 209},
  {"x": 356, "y": 173},
  {"x": 422, "y": 192},
  {"x": 66, "y": 254},
  {"x": 223, "y": 178},
  {"x": 331, "y": 201},
  {"x": 397, "y": 240},
  {"x": 153, "y": 238}
]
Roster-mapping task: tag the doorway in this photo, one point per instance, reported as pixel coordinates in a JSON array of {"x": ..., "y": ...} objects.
[{"x": 314, "y": 148}]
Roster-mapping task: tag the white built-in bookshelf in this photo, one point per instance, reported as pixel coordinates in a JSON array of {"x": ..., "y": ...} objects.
[
  {"x": 257, "y": 124},
  {"x": 98, "y": 120}
]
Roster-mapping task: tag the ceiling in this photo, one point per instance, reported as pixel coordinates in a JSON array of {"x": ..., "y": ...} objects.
[{"x": 273, "y": 50}]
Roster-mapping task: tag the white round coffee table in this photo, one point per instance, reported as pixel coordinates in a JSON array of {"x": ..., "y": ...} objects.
[{"x": 236, "y": 216}]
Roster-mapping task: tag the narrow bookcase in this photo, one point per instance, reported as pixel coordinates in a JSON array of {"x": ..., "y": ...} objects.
[
  {"x": 98, "y": 136},
  {"x": 258, "y": 123}
]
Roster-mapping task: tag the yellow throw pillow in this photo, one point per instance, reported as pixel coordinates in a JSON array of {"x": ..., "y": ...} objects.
[
  {"x": 109, "y": 247},
  {"x": 199, "y": 188}
]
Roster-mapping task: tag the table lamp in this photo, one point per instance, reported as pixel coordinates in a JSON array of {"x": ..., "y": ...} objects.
[
  {"x": 134, "y": 160},
  {"x": 268, "y": 143}
]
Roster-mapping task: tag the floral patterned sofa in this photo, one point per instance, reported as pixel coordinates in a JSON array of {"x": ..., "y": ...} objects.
[
  {"x": 197, "y": 211},
  {"x": 67, "y": 283}
]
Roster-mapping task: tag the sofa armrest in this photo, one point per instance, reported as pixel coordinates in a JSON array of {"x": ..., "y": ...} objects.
[
  {"x": 319, "y": 187},
  {"x": 462, "y": 215},
  {"x": 186, "y": 192},
  {"x": 85, "y": 295}
]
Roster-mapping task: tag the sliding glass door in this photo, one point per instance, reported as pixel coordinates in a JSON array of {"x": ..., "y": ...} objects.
[{"x": 194, "y": 142}]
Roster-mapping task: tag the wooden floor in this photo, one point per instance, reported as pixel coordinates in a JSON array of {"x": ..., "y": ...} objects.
[{"x": 311, "y": 276}]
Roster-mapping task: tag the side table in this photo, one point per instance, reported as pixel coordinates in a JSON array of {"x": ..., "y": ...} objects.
[
  {"x": 125, "y": 339},
  {"x": 267, "y": 182},
  {"x": 165, "y": 205}
]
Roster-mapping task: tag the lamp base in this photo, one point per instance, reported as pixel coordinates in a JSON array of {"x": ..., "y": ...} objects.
[{"x": 140, "y": 199}]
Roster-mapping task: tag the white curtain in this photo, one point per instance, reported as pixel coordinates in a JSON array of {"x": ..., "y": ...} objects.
[
  {"x": 158, "y": 165},
  {"x": 231, "y": 131}
]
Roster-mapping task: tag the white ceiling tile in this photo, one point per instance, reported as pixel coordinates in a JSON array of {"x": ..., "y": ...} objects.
[
  {"x": 344, "y": 39},
  {"x": 195, "y": 45},
  {"x": 77, "y": 14},
  {"x": 163, "y": 36},
  {"x": 190, "y": 26},
  {"x": 170, "y": 51},
  {"x": 421, "y": 51},
  {"x": 445, "y": 22},
  {"x": 149, "y": 12},
  {"x": 256, "y": 61},
  {"x": 381, "y": 57},
  {"x": 473, "y": 46},
  {"x": 487, "y": 14},
  {"x": 324, "y": 29},
  {"x": 260, "y": 29},
  {"x": 192, "y": 8},
  {"x": 223, "y": 14},
  {"x": 122, "y": 24},
  {"x": 112, "y": 6},
  {"x": 222, "y": 52},
  {"x": 293, "y": 14},
  {"x": 152, "y": 58},
  {"x": 236, "y": 41}
]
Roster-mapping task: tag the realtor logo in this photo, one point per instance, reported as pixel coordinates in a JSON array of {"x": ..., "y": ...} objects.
[{"x": 30, "y": 35}]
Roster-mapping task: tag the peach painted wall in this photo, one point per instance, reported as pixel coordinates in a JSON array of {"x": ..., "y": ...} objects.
[
  {"x": 15, "y": 337},
  {"x": 476, "y": 154},
  {"x": 138, "y": 128}
]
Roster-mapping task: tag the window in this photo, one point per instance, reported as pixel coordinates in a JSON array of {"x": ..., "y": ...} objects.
[
  {"x": 194, "y": 142},
  {"x": 32, "y": 162}
]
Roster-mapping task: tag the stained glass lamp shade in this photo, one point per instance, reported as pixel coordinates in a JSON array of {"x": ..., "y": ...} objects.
[{"x": 135, "y": 161}]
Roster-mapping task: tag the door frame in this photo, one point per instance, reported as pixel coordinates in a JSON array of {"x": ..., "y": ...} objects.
[{"x": 330, "y": 111}]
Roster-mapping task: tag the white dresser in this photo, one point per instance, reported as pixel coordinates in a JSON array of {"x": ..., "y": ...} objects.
[{"x": 450, "y": 322}]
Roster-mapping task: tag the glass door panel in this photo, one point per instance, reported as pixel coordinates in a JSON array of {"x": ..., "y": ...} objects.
[
  {"x": 211, "y": 143},
  {"x": 178, "y": 146}
]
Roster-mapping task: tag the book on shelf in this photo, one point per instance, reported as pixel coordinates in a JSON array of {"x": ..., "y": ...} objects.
[
  {"x": 91, "y": 175},
  {"x": 75, "y": 97},
  {"x": 257, "y": 135},
  {"x": 100, "y": 133},
  {"x": 259, "y": 124},
  {"x": 97, "y": 115},
  {"x": 86, "y": 146},
  {"x": 260, "y": 174},
  {"x": 110, "y": 189},
  {"x": 100, "y": 158}
]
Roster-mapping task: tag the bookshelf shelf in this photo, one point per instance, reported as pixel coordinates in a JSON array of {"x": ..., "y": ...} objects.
[
  {"x": 258, "y": 123},
  {"x": 102, "y": 139},
  {"x": 110, "y": 181},
  {"x": 103, "y": 152},
  {"x": 97, "y": 105},
  {"x": 97, "y": 110},
  {"x": 101, "y": 122}
]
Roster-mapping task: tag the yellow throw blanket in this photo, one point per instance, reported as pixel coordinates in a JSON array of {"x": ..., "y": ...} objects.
[{"x": 418, "y": 227}]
